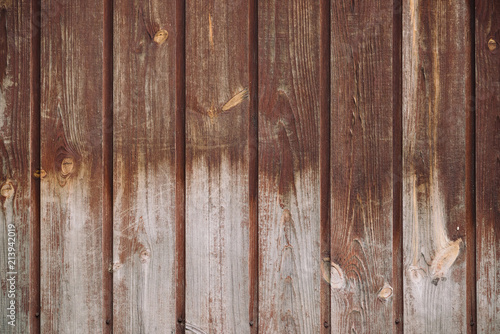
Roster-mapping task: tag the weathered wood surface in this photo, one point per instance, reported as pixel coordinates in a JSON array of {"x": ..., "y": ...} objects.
[
  {"x": 488, "y": 165},
  {"x": 217, "y": 275},
  {"x": 291, "y": 260},
  {"x": 144, "y": 167},
  {"x": 71, "y": 193},
  {"x": 436, "y": 64},
  {"x": 361, "y": 172},
  {"x": 15, "y": 179},
  {"x": 289, "y": 222}
]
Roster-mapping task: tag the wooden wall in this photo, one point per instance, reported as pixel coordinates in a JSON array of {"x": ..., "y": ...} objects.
[{"x": 246, "y": 166}]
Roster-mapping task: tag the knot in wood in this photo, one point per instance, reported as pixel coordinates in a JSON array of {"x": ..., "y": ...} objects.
[
  {"x": 7, "y": 190},
  {"x": 492, "y": 44},
  {"x": 40, "y": 174},
  {"x": 145, "y": 254},
  {"x": 160, "y": 37},
  {"x": 67, "y": 166},
  {"x": 385, "y": 293}
]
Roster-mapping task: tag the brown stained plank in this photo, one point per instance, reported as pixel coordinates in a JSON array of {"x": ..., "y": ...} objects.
[
  {"x": 397, "y": 163},
  {"x": 180, "y": 165},
  {"x": 488, "y": 164},
  {"x": 436, "y": 64},
  {"x": 144, "y": 167},
  {"x": 362, "y": 190},
  {"x": 217, "y": 231},
  {"x": 71, "y": 193},
  {"x": 16, "y": 182},
  {"x": 289, "y": 189}
]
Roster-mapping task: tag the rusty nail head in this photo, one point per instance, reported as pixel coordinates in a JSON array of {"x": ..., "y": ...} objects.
[
  {"x": 325, "y": 324},
  {"x": 397, "y": 321},
  {"x": 108, "y": 321},
  {"x": 251, "y": 323},
  {"x": 37, "y": 314}
]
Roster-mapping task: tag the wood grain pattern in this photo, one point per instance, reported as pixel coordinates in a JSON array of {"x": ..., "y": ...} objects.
[
  {"x": 71, "y": 193},
  {"x": 362, "y": 189},
  {"x": 488, "y": 165},
  {"x": 16, "y": 182},
  {"x": 289, "y": 217},
  {"x": 436, "y": 64},
  {"x": 144, "y": 167},
  {"x": 217, "y": 276}
]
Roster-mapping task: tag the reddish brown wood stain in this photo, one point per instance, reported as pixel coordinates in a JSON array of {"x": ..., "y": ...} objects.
[{"x": 250, "y": 166}]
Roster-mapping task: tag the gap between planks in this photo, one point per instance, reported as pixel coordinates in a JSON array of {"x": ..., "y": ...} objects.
[
  {"x": 35, "y": 75},
  {"x": 470, "y": 175},
  {"x": 253, "y": 167},
  {"x": 325, "y": 196},
  {"x": 180, "y": 164},
  {"x": 107, "y": 161}
]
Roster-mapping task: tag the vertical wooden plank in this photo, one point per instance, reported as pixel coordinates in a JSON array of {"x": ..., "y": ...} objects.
[
  {"x": 180, "y": 165},
  {"x": 144, "y": 167},
  {"x": 71, "y": 194},
  {"x": 35, "y": 67},
  {"x": 16, "y": 182},
  {"x": 487, "y": 50},
  {"x": 436, "y": 64},
  {"x": 362, "y": 189},
  {"x": 397, "y": 169},
  {"x": 289, "y": 217},
  {"x": 217, "y": 277}
]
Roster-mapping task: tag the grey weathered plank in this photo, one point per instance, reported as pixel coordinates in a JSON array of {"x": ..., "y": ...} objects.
[
  {"x": 15, "y": 151},
  {"x": 144, "y": 167},
  {"x": 436, "y": 64},
  {"x": 488, "y": 165},
  {"x": 361, "y": 274},
  {"x": 289, "y": 221},
  {"x": 71, "y": 193},
  {"x": 217, "y": 276}
]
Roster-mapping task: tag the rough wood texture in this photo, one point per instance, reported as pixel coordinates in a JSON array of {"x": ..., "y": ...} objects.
[
  {"x": 71, "y": 193},
  {"x": 144, "y": 167},
  {"x": 435, "y": 66},
  {"x": 488, "y": 165},
  {"x": 15, "y": 179},
  {"x": 361, "y": 128},
  {"x": 217, "y": 277},
  {"x": 289, "y": 218}
]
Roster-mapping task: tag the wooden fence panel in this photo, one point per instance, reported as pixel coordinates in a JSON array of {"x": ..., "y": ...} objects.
[
  {"x": 144, "y": 167},
  {"x": 234, "y": 166},
  {"x": 436, "y": 64},
  {"x": 217, "y": 275},
  {"x": 16, "y": 183},
  {"x": 71, "y": 149},
  {"x": 362, "y": 176},
  {"x": 488, "y": 165},
  {"x": 289, "y": 222}
]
